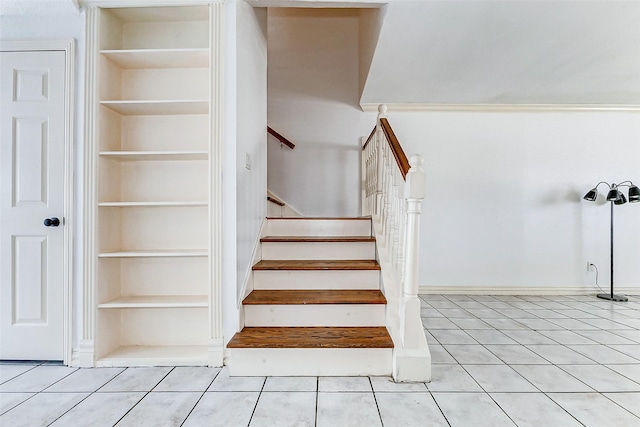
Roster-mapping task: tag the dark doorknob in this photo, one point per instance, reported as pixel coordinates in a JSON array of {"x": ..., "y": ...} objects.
[{"x": 51, "y": 222}]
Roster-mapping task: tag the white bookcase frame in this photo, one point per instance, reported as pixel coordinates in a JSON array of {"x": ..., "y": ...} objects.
[{"x": 137, "y": 193}]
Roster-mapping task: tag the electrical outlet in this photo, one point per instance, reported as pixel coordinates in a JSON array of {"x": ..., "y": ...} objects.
[{"x": 590, "y": 266}]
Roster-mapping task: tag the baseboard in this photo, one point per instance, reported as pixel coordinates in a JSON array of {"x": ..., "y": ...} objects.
[{"x": 520, "y": 290}]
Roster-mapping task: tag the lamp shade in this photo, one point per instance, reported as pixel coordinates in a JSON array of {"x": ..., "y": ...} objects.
[
  {"x": 613, "y": 194},
  {"x": 634, "y": 194},
  {"x": 621, "y": 201},
  {"x": 592, "y": 195}
]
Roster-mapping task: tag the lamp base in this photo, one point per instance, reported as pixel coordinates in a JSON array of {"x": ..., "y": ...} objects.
[{"x": 610, "y": 297}]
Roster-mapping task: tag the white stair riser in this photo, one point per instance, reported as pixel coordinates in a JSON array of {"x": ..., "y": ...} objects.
[
  {"x": 315, "y": 315},
  {"x": 310, "y": 361},
  {"x": 324, "y": 227},
  {"x": 316, "y": 279},
  {"x": 318, "y": 250}
]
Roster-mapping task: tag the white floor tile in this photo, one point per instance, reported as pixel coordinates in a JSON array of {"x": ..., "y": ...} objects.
[
  {"x": 559, "y": 354},
  {"x": 99, "y": 409},
  {"x": 188, "y": 378},
  {"x": 432, "y": 323},
  {"x": 629, "y": 401},
  {"x": 41, "y": 410},
  {"x": 606, "y": 337},
  {"x": 344, "y": 384},
  {"x": 224, "y": 382},
  {"x": 603, "y": 354},
  {"x": 291, "y": 384},
  {"x": 471, "y": 324},
  {"x": 223, "y": 409},
  {"x": 486, "y": 313},
  {"x": 567, "y": 337},
  {"x": 472, "y": 354},
  {"x": 607, "y": 324},
  {"x": 409, "y": 409},
  {"x": 456, "y": 313},
  {"x": 8, "y": 372},
  {"x": 36, "y": 379},
  {"x": 595, "y": 410},
  {"x": 505, "y": 324},
  {"x": 440, "y": 355},
  {"x": 386, "y": 385},
  {"x": 533, "y": 410},
  {"x": 539, "y": 324},
  {"x": 452, "y": 378},
  {"x": 452, "y": 336},
  {"x": 136, "y": 379},
  {"x": 516, "y": 313},
  {"x": 601, "y": 378},
  {"x": 277, "y": 409},
  {"x": 548, "y": 378},
  {"x": 630, "y": 371},
  {"x": 499, "y": 378},
  {"x": 528, "y": 337},
  {"x": 466, "y": 409},
  {"x": 85, "y": 380},
  {"x": 516, "y": 355},
  {"x": 167, "y": 409},
  {"x": 632, "y": 335},
  {"x": 11, "y": 400},
  {"x": 629, "y": 350},
  {"x": 347, "y": 409},
  {"x": 486, "y": 336}
]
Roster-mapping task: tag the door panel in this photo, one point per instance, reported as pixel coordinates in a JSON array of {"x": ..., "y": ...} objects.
[{"x": 32, "y": 155}]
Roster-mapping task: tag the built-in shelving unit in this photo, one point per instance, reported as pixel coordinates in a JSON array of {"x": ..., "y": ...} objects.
[{"x": 152, "y": 158}]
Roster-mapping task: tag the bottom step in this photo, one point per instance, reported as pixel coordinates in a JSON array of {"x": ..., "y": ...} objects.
[{"x": 314, "y": 351}]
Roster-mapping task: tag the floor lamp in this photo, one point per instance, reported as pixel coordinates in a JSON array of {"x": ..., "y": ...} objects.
[{"x": 615, "y": 197}]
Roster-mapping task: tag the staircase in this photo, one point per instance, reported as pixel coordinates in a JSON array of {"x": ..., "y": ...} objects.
[{"x": 316, "y": 308}]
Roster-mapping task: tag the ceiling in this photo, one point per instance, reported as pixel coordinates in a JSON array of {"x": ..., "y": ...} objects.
[{"x": 507, "y": 52}]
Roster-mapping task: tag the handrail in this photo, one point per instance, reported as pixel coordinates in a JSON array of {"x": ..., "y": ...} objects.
[
  {"x": 394, "y": 144},
  {"x": 274, "y": 200},
  {"x": 393, "y": 190},
  {"x": 396, "y": 148},
  {"x": 280, "y": 138}
]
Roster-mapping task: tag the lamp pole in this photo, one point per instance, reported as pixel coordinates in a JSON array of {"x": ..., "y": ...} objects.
[
  {"x": 614, "y": 197},
  {"x": 612, "y": 296}
]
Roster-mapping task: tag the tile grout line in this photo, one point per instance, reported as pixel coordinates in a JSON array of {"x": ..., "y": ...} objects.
[
  {"x": 200, "y": 398},
  {"x": 257, "y": 401},
  {"x": 143, "y": 397}
]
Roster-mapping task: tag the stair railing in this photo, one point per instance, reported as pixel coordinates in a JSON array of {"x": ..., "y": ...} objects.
[{"x": 393, "y": 190}]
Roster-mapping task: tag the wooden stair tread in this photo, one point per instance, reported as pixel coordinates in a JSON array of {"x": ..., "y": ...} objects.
[
  {"x": 297, "y": 239},
  {"x": 317, "y": 265},
  {"x": 312, "y": 337},
  {"x": 324, "y": 296}
]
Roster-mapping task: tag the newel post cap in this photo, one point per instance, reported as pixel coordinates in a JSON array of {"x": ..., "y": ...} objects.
[
  {"x": 415, "y": 186},
  {"x": 382, "y": 110}
]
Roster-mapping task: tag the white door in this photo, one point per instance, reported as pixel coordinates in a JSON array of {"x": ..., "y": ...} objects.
[{"x": 32, "y": 153}]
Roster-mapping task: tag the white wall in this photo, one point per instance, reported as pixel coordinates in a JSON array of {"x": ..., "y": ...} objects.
[
  {"x": 504, "y": 201},
  {"x": 246, "y": 124},
  {"x": 58, "y": 21},
  {"x": 313, "y": 101}
]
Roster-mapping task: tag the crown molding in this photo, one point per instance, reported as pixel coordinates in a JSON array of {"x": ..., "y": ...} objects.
[{"x": 503, "y": 108}]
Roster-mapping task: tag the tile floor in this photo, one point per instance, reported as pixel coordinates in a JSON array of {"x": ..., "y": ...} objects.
[{"x": 497, "y": 361}]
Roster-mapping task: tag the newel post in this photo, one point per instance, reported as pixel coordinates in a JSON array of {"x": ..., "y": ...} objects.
[{"x": 414, "y": 192}]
